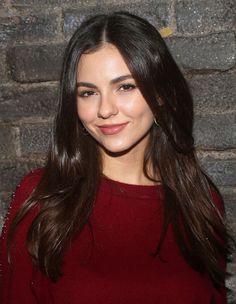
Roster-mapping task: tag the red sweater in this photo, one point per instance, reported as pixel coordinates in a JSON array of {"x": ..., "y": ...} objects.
[{"x": 118, "y": 267}]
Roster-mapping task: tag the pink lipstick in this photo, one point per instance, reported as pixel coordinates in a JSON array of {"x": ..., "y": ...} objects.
[{"x": 112, "y": 129}]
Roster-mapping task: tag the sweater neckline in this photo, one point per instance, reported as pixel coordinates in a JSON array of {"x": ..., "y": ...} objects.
[{"x": 130, "y": 190}]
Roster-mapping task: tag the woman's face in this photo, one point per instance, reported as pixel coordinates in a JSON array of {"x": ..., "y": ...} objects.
[{"x": 109, "y": 104}]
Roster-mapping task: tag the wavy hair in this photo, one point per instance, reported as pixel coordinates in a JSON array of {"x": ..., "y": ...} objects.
[{"x": 68, "y": 188}]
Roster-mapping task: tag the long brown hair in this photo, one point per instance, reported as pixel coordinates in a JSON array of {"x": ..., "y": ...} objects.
[{"x": 67, "y": 190}]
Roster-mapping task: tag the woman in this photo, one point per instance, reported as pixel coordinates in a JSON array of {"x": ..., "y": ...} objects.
[{"x": 122, "y": 212}]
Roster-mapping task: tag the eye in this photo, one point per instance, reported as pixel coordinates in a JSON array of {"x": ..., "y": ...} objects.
[
  {"x": 85, "y": 93},
  {"x": 127, "y": 87}
]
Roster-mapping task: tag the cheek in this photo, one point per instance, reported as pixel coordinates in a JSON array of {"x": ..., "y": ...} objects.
[
  {"x": 86, "y": 113},
  {"x": 138, "y": 108}
]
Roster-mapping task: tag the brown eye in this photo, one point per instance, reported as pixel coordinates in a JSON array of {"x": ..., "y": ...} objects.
[
  {"x": 85, "y": 93},
  {"x": 127, "y": 87}
]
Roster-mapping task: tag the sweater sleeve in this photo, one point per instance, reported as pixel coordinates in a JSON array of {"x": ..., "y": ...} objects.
[{"x": 15, "y": 276}]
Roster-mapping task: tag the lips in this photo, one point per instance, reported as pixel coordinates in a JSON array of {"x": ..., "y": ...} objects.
[{"x": 112, "y": 128}]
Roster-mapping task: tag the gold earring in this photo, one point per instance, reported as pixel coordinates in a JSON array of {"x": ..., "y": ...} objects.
[{"x": 155, "y": 121}]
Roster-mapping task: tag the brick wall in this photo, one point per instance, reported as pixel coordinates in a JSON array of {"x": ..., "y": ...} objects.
[{"x": 33, "y": 35}]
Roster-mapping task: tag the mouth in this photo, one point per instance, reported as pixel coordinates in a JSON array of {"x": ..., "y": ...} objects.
[{"x": 111, "y": 129}]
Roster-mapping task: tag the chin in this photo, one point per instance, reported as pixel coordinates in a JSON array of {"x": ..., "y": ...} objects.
[
  {"x": 122, "y": 147},
  {"x": 114, "y": 150},
  {"x": 117, "y": 150}
]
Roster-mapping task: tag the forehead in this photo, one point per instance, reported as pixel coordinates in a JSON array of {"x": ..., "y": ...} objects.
[{"x": 106, "y": 62}]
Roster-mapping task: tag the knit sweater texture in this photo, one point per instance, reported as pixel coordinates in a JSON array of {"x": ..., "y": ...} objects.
[{"x": 113, "y": 263}]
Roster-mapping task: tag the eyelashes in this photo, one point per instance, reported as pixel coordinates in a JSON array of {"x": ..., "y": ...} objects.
[
  {"x": 127, "y": 87},
  {"x": 85, "y": 93}
]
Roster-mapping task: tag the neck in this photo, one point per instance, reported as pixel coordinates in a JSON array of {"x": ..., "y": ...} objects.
[{"x": 127, "y": 168}]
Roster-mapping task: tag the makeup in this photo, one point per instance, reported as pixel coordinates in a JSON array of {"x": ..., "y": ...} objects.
[{"x": 112, "y": 128}]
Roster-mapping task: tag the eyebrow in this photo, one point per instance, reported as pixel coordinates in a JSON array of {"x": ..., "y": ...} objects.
[
  {"x": 113, "y": 81},
  {"x": 121, "y": 78}
]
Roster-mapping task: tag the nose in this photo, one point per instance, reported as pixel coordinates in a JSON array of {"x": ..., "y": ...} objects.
[{"x": 107, "y": 106}]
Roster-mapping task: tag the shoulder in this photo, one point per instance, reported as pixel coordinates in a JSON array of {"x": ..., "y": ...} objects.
[
  {"x": 28, "y": 184},
  {"x": 30, "y": 181},
  {"x": 20, "y": 261},
  {"x": 22, "y": 192}
]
